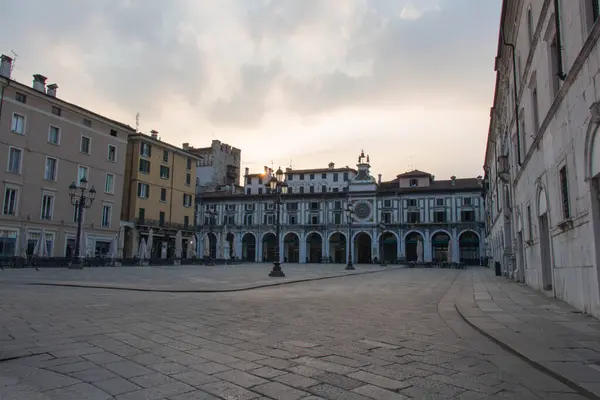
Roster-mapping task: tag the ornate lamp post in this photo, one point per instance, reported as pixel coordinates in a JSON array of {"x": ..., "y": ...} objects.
[
  {"x": 278, "y": 187},
  {"x": 350, "y": 217},
  {"x": 382, "y": 228},
  {"x": 81, "y": 198}
]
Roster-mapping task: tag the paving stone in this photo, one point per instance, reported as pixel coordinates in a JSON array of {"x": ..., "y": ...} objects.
[
  {"x": 78, "y": 392},
  {"x": 152, "y": 380},
  {"x": 128, "y": 369},
  {"x": 78, "y": 366},
  {"x": 228, "y": 390},
  {"x": 297, "y": 381},
  {"x": 157, "y": 392},
  {"x": 333, "y": 392},
  {"x": 194, "y": 378},
  {"x": 324, "y": 365},
  {"x": 211, "y": 367},
  {"x": 378, "y": 393},
  {"x": 341, "y": 381},
  {"x": 93, "y": 375},
  {"x": 378, "y": 380},
  {"x": 276, "y": 363},
  {"x": 214, "y": 356},
  {"x": 268, "y": 372},
  {"x": 279, "y": 391},
  {"x": 245, "y": 365},
  {"x": 195, "y": 395},
  {"x": 240, "y": 378},
  {"x": 103, "y": 358},
  {"x": 168, "y": 368},
  {"x": 116, "y": 386}
]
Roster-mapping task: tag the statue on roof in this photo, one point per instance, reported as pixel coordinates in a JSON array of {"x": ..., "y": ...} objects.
[
  {"x": 361, "y": 157},
  {"x": 367, "y": 158}
]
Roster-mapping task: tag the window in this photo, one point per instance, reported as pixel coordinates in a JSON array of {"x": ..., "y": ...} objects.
[
  {"x": 164, "y": 171},
  {"x": 301, "y": 189},
  {"x": 334, "y": 190},
  {"x": 520, "y": 155},
  {"x": 85, "y": 145},
  {"x": 230, "y": 207},
  {"x": 145, "y": 149},
  {"x": 248, "y": 191},
  {"x": 112, "y": 153},
  {"x": 187, "y": 200},
  {"x": 249, "y": 207},
  {"x": 260, "y": 181},
  {"x": 163, "y": 195},
  {"x": 10, "y": 201},
  {"x": 56, "y": 111},
  {"x": 467, "y": 216},
  {"x": 144, "y": 166},
  {"x": 17, "y": 124},
  {"x": 336, "y": 177},
  {"x": 292, "y": 219},
  {"x": 439, "y": 217},
  {"x": 113, "y": 133},
  {"x": 47, "y": 206},
  {"x": 530, "y": 30},
  {"x": 109, "y": 184},
  {"x": 161, "y": 218},
  {"x": 312, "y": 189},
  {"x": 529, "y": 223},
  {"x": 337, "y": 205},
  {"x": 15, "y": 157},
  {"x": 312, "y": 177},
  {"x": 413, "y": 217},
  {"x": 439, "y": 202},
  {"x": 290, "y": 177},
  {"x": 186, "y": 222},
  {"x": 20, "y": 97},
  {"x": 301, "y": 177},
  {"x": 87, "y": 122},
  {"x": 229, "y": 220},
  {"x": 323, "y": 176},
  {"x": 323, "y": 188},
  {"x": 51, "y": 169},
  {"x": 260, "y": 190},
  {"x": 345, "y": 176},
  {"x": 270, "y": 207},
  {"x": 54, "y": 134},
  {"x": 188, "y": 179},
  {"x": 290, "y": 190},
  {"x": 386, "y": 217},
  {"x": 564, "y": 192},
  {"x": 143, "y": 190},
  {"x": 314, "y": 220},
  {"x": 189, "y": 164},
  {"x": 412, "y": 202},
  {"x": 106, "y": 215},
  {"x": 554, "y": 66},
  {"x": 82, "y": 172},
  {"x": 536, "y": 111},
  {"x": 414, "y": 182},
  {"x": 314, "y": 205},
  {"x": 467, "y": 201},
  {"x": 248, "y": 219},
  {"x": 337, "y": 218},
  {"x": 165, "y": 156}
]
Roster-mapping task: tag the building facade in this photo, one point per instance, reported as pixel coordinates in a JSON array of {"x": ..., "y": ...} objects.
[
  {"x": 158, "y": 196},
  {"x": 390, "y": 218},
  {"x": 542, "y": 159},
  {"x": 219, "y": 166},
  {"x": 49, "y": 143}
]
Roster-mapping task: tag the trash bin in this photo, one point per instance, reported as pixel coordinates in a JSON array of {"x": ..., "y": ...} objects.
[{"x": 498, "y": 268}]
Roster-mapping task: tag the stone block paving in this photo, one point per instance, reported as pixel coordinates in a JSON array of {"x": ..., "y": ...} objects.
[
  {"x": 394, "y": 335},
  {"x": 547, "y": 332}
]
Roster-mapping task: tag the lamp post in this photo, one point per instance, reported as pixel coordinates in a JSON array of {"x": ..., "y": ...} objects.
[
  {"x": 211, "y": 217},
  {"x": 382, "y": 228},
  {"x": 278, "y": 187},
  {"x": 350, "y": 217},
  {"x": 81, "y": 198}
]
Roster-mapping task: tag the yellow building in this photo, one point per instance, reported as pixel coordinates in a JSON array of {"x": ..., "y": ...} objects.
[{"x": 158, "y": 196}]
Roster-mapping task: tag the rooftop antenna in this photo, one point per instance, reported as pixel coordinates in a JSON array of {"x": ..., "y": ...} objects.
[
  {"x": 137, "y": 122},
  {"x": 15, "y": 56},
  {"x": 410, "y": 164}
]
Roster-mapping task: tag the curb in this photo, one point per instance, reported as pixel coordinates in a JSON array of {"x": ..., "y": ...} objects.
[
  {"x": 243, "y": 289},
  {"x": 573, "y": 385}
]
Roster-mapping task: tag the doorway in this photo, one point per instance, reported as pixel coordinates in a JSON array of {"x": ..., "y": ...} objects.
[
  {"x": 521, "y": 255},
  {"x": 545, "y": 252}
]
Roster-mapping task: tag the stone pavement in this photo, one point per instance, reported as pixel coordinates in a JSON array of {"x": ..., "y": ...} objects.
[
  {"x": 548, "y": 333},
  {"x": 197, "y": 278},
  {"x": 393, "y": 335}
]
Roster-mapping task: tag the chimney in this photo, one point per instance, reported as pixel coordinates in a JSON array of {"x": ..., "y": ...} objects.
[
  {"x": 5, "y": 66},
  {"x": 51, "y": 89},
  {"x": 288, "y": 169},
  {"x": 453, "y": 180},
  {"x": 246, "y": 171},
  {"x": 331, "y": 165},
  {"x": 379, "y": 179},
  {"x": 154, "y": 134},
  {"x": 185, "y": 146},
  {"x": 39, "y": 83}
]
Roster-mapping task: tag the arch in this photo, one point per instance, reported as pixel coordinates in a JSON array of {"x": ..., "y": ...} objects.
[
  {"x": 314, "y": 247},
  {"x": 291, "y": 247},
  {"x": 269, "y": 247},
  {"x": 358, "y": 233},
  {"x": 337, "y": 247},
  {"x": 313, "y": 232},
  {"x": 248, "y": 247},
  {"x": 210, "y": 245},
  {"x": 470, "y": 230},
  {"x": 388, "y": 247},
  {"x": 411, "y": 240},
  {"x": 362, "y": 247},
  {"x": 468, "y": 247},
  {"x": 591, "y": 151},
  {"x": 413, "y": 231},
  {"x": 388, "y": 231},
  {"x": 440, "y": 243},
  {"x": 440, "y": 231},
  {"x": 230, "y": 239},
  {"x": 542, "y": 201}
]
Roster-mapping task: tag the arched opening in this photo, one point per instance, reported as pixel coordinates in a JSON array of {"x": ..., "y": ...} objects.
[
  {"x": 410, "y": 246},
  {"x": 468, "y": 248},
  {"x": 337, "y": 248},
  {"x": 544, "y": 232},
  {"x": 268, "y": 248},
  {"x": 212, "y": 245},
  {"x": 230, "y": 239},
  {"x": 362, "y": 245},
  {"x": 439, "y": 247},
  {"x": 248, "y": 247},
  {"x": 291, "y": 248},
  {"x": 388, "y": 245},
  {"x": 595, "y": 195},
  {"x": 314, "y": 248}
]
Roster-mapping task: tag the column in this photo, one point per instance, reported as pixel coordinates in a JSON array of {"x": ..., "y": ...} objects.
[
  {"x": 238, "y": 246},
  {"x": 259, "y": 245},
  {"x": 455, "y": 255},
  {"x": 427, "y": 256},
  {"x": 400, "y": 244},
  {"x": 281, "y": 247},
  {"x": 302, "y": 249},
  {"x": 326, "y": 245}
]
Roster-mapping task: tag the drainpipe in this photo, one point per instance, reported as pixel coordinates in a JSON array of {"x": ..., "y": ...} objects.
[
  {"x": 516, "y": 93},
  {"x": 2, "y": 97},
  {"x": 561, "y": 74}
]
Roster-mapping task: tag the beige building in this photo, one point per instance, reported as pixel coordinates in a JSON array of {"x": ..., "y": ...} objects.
[
  {"x": 159, "y": 195},
  {"x": 48, "y": 143}
]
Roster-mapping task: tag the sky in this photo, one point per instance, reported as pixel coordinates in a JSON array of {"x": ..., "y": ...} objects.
[{"x": 296, "y": 83}]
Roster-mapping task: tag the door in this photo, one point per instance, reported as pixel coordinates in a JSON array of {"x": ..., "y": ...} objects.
[
  {"x": 521, "y": 255},
  {"x": 545, "y": 252}
]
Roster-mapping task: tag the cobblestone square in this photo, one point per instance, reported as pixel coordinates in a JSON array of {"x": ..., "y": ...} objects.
[{"x": 395, "y": 334}]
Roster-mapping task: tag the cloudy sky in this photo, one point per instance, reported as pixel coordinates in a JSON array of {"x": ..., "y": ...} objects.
[{"x": 300, "y": 81}]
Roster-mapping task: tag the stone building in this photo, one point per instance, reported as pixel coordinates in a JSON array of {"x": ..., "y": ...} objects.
[
  {"x": 542, "y": 160},
  {"x": 218, "y": 166},
  {"x": 47, "y": 144},
  {"x": 390, "y": 218}
]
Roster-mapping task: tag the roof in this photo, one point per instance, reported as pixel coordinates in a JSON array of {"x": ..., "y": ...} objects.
[
  {"x": 143, "y": 136},
  {"x": 414, "y": 173},
  {"x": 12, "y": 82},
  {"x": 319, "y": 170},
  {"x": 464, "y": 184}
]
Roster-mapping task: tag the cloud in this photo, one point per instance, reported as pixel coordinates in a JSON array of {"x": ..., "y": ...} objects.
[{"x": 410, "y": 12}]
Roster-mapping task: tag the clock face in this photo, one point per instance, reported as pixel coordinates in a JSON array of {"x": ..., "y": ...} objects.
[{"x": 362, "y": 210}]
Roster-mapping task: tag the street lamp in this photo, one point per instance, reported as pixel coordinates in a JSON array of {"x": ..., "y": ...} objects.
[
  {"x": 382, "y": 229},
  {"x": 81, "y": 198},
  {"x": 278, "y": 187},
  {"x": 350, "y": 217}
]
